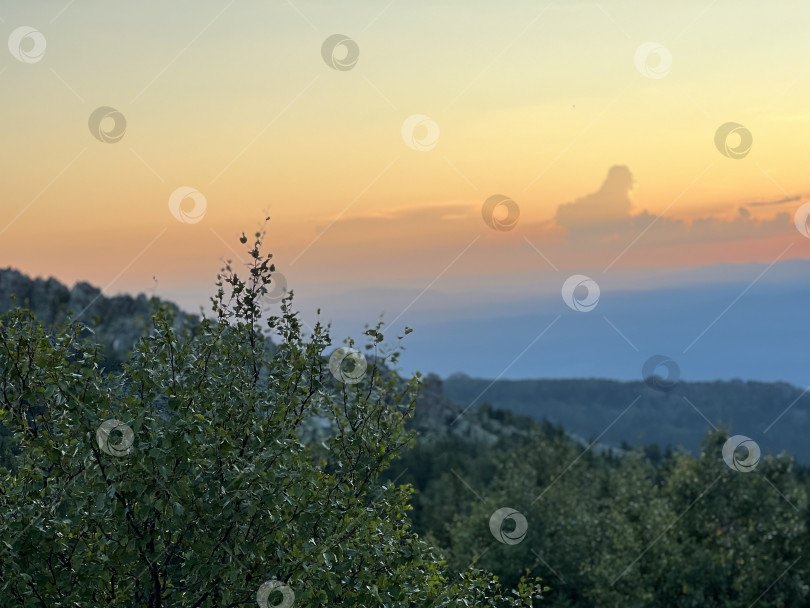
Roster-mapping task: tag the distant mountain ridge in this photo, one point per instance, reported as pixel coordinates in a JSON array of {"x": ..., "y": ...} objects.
[{"x": 774, "y": 414}]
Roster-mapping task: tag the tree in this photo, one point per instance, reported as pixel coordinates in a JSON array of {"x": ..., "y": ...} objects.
[
  {"x": 687, "y": 533},
  {"x": 188, "y": 479}
]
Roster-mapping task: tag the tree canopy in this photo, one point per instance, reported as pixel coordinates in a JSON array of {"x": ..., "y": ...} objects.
[{"x": 216, "y": 469}]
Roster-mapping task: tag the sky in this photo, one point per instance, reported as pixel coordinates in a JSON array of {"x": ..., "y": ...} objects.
[{"x": 457, "y": 145}]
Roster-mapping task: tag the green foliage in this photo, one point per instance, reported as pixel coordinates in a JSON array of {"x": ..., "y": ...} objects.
[
  {"x": 249, "y": 463},
  {"x": 218, "y": 491},
  {"x": 629, "y": 530}
]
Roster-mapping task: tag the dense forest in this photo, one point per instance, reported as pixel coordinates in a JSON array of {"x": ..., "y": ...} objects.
[
  {"x": 246, "y": 472},
  {"x": 631, "y": 527}
]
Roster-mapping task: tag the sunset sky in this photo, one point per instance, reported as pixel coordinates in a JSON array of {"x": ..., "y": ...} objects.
[{"x": 534, "y": 101}]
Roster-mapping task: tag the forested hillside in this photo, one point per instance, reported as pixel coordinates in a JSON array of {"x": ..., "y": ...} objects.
[
  {"x": 633, "y": 527},
  {"x": 489, "y": 489},
  {"x": 777, "y": 415}
]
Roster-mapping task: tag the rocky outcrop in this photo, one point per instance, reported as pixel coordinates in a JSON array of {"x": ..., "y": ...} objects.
[
  {"x": 118, "y": 322},
  {"x": 437, "y": 416}
]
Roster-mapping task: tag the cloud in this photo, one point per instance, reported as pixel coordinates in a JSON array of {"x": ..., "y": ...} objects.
[
  {"x": 606, "y": 210},
  {"x": 415, "y": 226},
  {"x": 451, "y": 237},
  {"x": 606, "y": 215},
  {"x": 781, "y": 201}
]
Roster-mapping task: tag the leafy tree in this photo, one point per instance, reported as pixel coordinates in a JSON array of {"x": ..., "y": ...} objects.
[
  {"x": 689, "y": 532},
  {"x": 190, "y": 478},
  {"x": 743, "y": 534}
]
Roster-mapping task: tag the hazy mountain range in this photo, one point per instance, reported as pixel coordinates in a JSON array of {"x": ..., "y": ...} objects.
[{"x": 746, "y": 321}]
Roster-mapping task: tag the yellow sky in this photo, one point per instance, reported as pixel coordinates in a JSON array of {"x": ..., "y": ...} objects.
[{"x": 534, "y": 101}]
